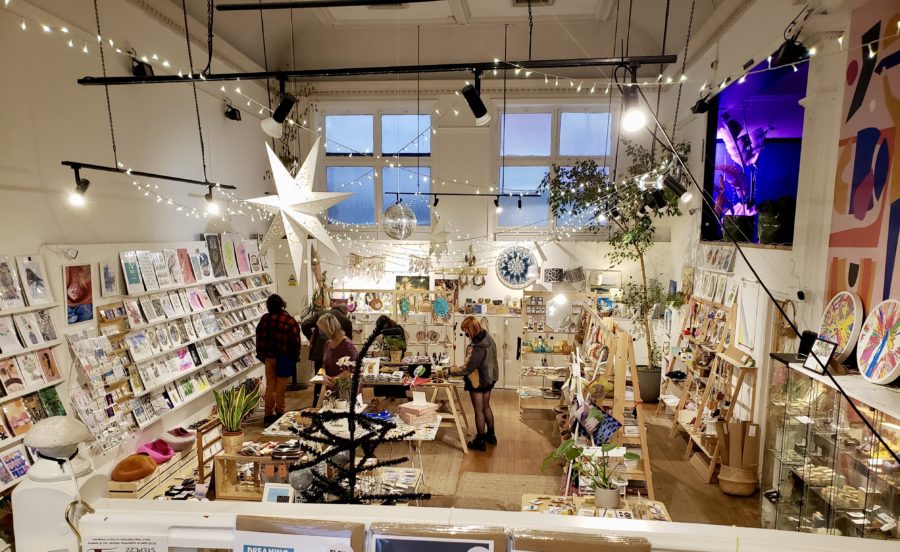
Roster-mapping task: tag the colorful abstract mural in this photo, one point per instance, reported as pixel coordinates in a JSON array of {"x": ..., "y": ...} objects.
[{"x": 865, "y": 225}]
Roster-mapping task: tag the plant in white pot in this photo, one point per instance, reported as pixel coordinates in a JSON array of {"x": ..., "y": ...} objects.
[
  {"x": 232, "y": 406},
  {"x": 598, "y": 469}
]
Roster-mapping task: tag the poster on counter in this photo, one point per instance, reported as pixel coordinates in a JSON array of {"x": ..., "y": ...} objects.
[
  {"x": 251, "y": 541},
  {"x": 125, "y": 544}
]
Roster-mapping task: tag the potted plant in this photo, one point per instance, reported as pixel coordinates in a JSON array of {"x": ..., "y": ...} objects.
[
  {"x": 395, "y": 345},
  {"x": 776, "y": 220},
  {"x": 342, "y": 385},
  {"x": 598, "y": 469},
  {"x": 232, "y": 406}
]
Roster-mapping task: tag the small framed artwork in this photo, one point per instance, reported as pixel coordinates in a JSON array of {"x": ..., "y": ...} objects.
[
  {"x": 820, "y": 355},
  {"x": 79, "y": 294},
  {"x": 109, "y": 278},
  {"x": 34, "y": 276},
  {"x": 278, "y": 492}
]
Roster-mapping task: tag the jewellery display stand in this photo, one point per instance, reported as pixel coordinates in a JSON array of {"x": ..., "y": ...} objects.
[{"x": 209, "y": 444}]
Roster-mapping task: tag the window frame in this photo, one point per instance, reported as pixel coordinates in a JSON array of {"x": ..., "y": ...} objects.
[
  {"x": 556, "y": 109},
  {"x": 377, "y": 160}
]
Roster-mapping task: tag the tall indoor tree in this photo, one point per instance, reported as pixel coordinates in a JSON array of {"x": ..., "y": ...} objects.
[{"x": 629, "y": 208}]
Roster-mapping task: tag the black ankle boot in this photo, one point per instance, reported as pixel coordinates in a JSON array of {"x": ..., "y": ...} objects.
[
  {"x": 477, "y": 443},
  {"x": 490, "y": 438}
]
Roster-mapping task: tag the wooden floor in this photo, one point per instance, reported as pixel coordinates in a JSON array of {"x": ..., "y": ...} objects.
[{"x": 523, "y": 444}]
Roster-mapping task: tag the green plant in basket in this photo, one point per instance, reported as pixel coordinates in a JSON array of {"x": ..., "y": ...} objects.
[
  {"x": 599, "y": 470},
  {"x": 235, "y": 404},
  {"x": 394, "y": 343}
]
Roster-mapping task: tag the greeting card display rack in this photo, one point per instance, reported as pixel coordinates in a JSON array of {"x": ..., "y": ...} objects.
[
  {"x": 709, "y": 327},
  {"x": 546, "y": 349},
  {"x": 209, "y": 444},
  {"x": 11, "y": 439}
]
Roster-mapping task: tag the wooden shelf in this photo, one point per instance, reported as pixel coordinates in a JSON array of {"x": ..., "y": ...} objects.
[
  {"x": 233, "y": 293},
  {"x": 30, "y": 308},
  {"x": 26, "y": 350},
  {"x": 176, "y": 377},
  {"x": 18, "y": 394},
  {"x": 194, "y": 284},
  {"x": 234, "y": 309}
]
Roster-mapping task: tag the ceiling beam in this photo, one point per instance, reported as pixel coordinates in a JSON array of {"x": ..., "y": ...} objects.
[
  {"x": 312, "y": 4},
  {"x": 460, "y": 11},
  {"x": 629, "y": 61}
]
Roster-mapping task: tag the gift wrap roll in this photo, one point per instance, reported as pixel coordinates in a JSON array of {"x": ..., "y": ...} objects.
[
  {"x": 556, "y": 541},
  {"x": 403, "y": 537},
  {"x": 307, "y": 535}
]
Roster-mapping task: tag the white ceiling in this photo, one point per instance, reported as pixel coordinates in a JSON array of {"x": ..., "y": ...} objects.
[{"x": 450, "y": 31}]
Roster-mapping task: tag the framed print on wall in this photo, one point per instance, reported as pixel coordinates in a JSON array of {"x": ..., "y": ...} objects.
[
  {"x": 79, "y": 294},
  {"x": 109, "y": 278},
  {"x": 10, "y": 290},
  {"x": 34, "y": 280},
  {"x": 820, "y": 355}
]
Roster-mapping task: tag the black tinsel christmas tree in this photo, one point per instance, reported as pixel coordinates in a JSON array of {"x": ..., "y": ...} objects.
[{"x": 333, "y": 469}]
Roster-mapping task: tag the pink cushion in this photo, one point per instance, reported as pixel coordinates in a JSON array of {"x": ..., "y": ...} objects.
[
  {"x": 179, "y": 438},
  {"x": 159, "y": 450}
]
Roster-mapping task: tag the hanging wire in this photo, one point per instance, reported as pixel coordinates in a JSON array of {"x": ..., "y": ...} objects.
[
  {"x": 530, "y": 30},
  {"x": 262, "y": 26},
  {"x": 615, "y": 171},
  {"x": 659, "y": 89},
  {"x": 210, "y": 10},
  {"x": 112, "y": 130},
  {"x": 187, "y": 39},
  {"x": 687, "y": 43},
  {"x": 418, "y": 111},
  {"x": 503, "y": 121}
]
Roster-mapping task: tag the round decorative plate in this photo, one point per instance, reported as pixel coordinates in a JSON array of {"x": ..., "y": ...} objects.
[
  {"x": 420, "y": 336},
  {"x": 433, "y": 336},
  {"x": 440, "y": 307},
  {"x": 517, "y": 267},
  {"x": 878, "y": 351},
  {"x": 404, "y": 305},
  {"x": 841, "y": 323},
  {"x": 375, "y": 304}
]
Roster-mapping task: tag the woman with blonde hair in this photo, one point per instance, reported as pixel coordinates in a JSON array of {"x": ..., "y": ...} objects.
[
  {"x": 337, "y": 347},
  {"x": 480, "y": 372}
]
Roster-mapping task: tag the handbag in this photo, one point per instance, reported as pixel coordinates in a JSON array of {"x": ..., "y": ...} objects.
[{"x": 285, "y": 366}]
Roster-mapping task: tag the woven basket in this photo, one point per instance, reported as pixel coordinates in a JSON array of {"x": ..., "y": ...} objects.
[{"x": 737, "y": 481}]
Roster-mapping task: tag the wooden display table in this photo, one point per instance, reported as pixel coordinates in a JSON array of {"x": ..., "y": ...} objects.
[
  {"x": 265, "y": 468},
  {"x": 453, "y": 416},
  {"x": 631, "y": 507}
]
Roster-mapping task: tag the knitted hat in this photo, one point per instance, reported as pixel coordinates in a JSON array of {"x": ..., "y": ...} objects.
[{"x": 133, "y": 467}]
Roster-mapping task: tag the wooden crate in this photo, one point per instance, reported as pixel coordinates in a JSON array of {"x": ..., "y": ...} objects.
[
  {"x": 209, "y": 442},
  {"x": 181, "y": 463}
]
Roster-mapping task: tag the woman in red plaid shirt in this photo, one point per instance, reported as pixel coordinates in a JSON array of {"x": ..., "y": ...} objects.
[{"x": 278, "y": 346}]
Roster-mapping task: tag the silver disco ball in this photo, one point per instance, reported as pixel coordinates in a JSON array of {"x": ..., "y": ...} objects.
[{"x": 399, "y": 221}]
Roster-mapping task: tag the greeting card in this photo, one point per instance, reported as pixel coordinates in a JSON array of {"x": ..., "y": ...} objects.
[
  {"x": 216, "y": 257},
  {"x": 49, "y": 368},
  {"x": 148, "y": 274},
  {"x": 10, "y": 292},
  {"x": 45, "y": 324},
  {"x": 171, "y": 257},
  {"x": 28, "y": 329},
  {"x": 18, "y": 417},
  {"x": 9, "y": 341},
  {"x": 184, "y": 263},
  {"x": 53, "y": 406},
  {"x": 30, "y": 368},
  {"x": 10, "y": 377},
  {"x": 34, "y": 278},
  {"x": 134, "y": 283}
]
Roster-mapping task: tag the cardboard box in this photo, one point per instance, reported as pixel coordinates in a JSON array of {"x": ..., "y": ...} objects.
[
  {"x": 555, "y": 541},
  {"x": 416, "y": 409},
  {"x": 722, "y": 432},
  {"x": 273, "y": 526},
  {"x": 750, "y": 457},
  {"x": 416, "y": 537},
  {"x": 418, "y": 419},
  {"x": 735, "y": 443}
]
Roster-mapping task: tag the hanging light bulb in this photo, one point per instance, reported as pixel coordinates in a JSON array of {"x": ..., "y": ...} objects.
[
  {"x": 76, "y": 198},
  {"x": 633, "y": 117},
  {"x": 497, "y": 206},
  {"x": 212, "y": 208}
]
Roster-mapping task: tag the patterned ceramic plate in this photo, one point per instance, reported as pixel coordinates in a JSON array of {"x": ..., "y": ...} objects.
[
  {"x": 841, "y": 323},
  {"x": 517, "y": 267},
  {"x": 878, "y": 352}
]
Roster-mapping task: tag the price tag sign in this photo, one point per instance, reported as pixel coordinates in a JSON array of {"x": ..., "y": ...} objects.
[
  {"x": 126, "y": 544},
  {"x": 252, "y": 541}
]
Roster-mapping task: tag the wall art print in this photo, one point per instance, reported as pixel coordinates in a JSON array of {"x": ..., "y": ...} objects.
[
  {"x": 517, "y": 267},
  {"x": 878, "y": 352},
  {"x": 79, "y": 294},
  {"x": 865, "y": 223},
  {"x": 841, "y": 323}
]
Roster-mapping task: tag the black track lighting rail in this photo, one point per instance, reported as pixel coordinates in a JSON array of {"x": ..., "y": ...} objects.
[
  {"x": 77, "y": 165},
  {"x": 312, "y": 4},
  {"x": 632, "y": 62},
  {"x": 464, "y": 194}
]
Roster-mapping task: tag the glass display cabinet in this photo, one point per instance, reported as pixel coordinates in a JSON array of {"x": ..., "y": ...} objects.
[{"x": 823, "y": 470}]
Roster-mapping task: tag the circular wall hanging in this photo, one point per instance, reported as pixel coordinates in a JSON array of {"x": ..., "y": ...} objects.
[
  {"x": 404, "y": 306},
  {"x": 440, "y": 307},
  {"x": 841, "y": 323},
  {"x": 878, "y": 351},
  {"x": 517, "y": 267}
]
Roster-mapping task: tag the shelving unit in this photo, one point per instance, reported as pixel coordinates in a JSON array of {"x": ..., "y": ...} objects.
[{"x": 823, "y": 470}]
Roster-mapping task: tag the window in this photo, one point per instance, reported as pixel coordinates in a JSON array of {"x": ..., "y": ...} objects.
[
  {"x": 368, "y": 155},
  {"x": 406, "y": 135},
  {"x": 532, "y": 144},
  {"x": 349, "y": 135},
  {"x": 401, "y": 179},
  {"x": 534, "y": 211},
  {"x": 358, "y": 208},
  {"x": 568, "y": 220}
]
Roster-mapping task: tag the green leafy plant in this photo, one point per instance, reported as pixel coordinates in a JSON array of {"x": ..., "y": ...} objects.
[
  {"x": 235, "y": 404},
  {"x": 630, "y": 210},
  {"x": 343, "y": 385},
  {"x": 599, "y": 470},
  {"x": 394, "y": 343}
]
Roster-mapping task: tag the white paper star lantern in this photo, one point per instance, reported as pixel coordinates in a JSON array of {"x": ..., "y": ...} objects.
[{"x": 296, "y": 207}]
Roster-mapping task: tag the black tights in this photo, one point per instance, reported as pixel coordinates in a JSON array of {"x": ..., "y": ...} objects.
[{"x": 484, "y": 416}]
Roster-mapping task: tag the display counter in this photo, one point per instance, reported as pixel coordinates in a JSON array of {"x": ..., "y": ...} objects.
[{"x": 189, "y": 526}]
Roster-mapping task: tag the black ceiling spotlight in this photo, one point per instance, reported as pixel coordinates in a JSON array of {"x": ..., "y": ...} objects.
[
  {"x": 139, "y": 67},
  {"x": 76, "y": 198},
  {"x": 677, "y": 188},
  {"x": 633, "y": 116},
  {"x": 274, "y": 125},
  {"x": 654, "y": 200},
  {"x": 472, "y": 94},
  {"x": 702, "y": 105},
  {"x": 789, "y": 53},
  {"x": 212, "y": 207},
  {"x": 497, "y": 206},
  {"x": 436, "y": 201},
  {"x": 231, "y": 112},
  {"x": 520, "y": 202}
]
